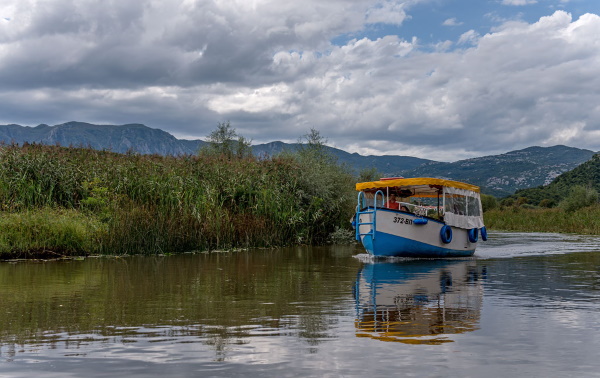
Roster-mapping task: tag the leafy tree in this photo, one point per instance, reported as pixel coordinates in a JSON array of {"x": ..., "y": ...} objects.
[
  {"x": 507, "y": 202},
  {"x": 548, "y": 203},
  {"x": 579, "y": 197},
  {"x": 324, "y": 187},
  {"x": 225, "y": 141},
  {"x": 522, "y": 201},
  {"x": 369, "y": 174},
  {"x": 313, "y": 148},
  {"x": 488, "y": 202}
]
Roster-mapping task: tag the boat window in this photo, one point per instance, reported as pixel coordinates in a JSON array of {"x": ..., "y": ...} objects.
[
  {"x": 473, "y": 207},
  {"x": 462, "y": 208},
  {"x": 456, "y": 204}
]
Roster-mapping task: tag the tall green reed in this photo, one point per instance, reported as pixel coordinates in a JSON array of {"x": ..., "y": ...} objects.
[
  {"x": 582, "y": 221},
  {"x": 157, "y": 204}
]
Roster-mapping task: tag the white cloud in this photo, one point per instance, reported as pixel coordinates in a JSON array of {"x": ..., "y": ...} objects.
[
  {"x": 470, "y": 37},
  {"x": 273, "y": 99},
  {"x": 567, "y": 134},
  {"x": 443, "y": 46},
  {"x": 452, "y": 22},
  {"x": 388, "y": 12},
  {"x": 519, "y": 2},
  {"x": 269, "y": 67}
]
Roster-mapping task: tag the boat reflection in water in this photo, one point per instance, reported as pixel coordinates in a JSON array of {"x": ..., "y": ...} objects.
[{"x": 418, "y": 301}]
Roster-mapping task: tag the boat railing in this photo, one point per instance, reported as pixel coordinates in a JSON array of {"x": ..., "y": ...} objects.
[{"x": 362, "y": 208}]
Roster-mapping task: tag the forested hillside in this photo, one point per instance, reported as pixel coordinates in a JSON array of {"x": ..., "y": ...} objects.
[{"x": 586, "y": 174}]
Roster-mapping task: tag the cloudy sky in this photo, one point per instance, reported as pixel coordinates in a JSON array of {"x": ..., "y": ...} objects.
[{"x": 437, "y": 79}]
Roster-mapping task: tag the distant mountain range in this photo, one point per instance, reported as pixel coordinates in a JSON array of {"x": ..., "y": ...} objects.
[
  {"x": 132, "y": 137},
  {"x": 144, "y": 140},
  {"x": 387, "y": 165},
  {"x": 500, "y": 175}
]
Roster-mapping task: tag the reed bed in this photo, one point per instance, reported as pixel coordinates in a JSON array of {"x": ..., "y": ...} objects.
[
  {"x": 48, "y": 233},
  {"x": 149, "y": 204},
  {"x": 582, "y": 221}
]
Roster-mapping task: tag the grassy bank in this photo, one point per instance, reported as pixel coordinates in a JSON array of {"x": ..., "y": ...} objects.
[
  {"x": 73, "y": 201},
  {"x": 49, "y": 233},
  {"x": 582, "y": 221}
]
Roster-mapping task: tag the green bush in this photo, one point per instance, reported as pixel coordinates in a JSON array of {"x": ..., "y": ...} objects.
[
  {"x": 507, "y": 202},
  {"x": 369, "y": 174},
  {"x": 547, "y": 203},
  {"x": 529, "y": 206},
  {"x": 579, "y": 197},
  {"x": 521, "y": 201},
  {"x": 488, "y": 202}
]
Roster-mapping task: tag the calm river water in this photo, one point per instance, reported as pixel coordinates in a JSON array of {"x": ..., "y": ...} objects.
[{"x": 526, "y": 305}]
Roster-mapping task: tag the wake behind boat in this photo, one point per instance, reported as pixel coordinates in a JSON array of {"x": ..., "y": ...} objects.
[{"x": 419, "y": 217}]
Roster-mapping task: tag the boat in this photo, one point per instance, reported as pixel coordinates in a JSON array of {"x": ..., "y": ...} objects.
[{"x": 429, "y": 217}]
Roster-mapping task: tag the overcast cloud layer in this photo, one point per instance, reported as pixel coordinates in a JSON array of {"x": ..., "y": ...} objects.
[{"x": 271, "y": 68}]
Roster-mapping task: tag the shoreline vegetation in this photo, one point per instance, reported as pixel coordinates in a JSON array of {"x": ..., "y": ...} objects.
[
  {"x": 584, "y": 221},
  {"x": 577, "y": 211},
  {"x": 66, "y": 202},
  {"x": 63, "y": 201}
]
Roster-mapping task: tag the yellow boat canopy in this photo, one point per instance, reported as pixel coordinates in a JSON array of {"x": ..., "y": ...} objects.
[{"x": 421, "y": 185}]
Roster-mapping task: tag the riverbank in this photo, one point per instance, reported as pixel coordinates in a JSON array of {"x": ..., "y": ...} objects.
[
  {"x": 59, "y": 201},
  {"x": 582, "y": 221}
]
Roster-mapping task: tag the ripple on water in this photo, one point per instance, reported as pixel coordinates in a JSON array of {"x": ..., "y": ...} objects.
[{"x": 513, "y": 244}]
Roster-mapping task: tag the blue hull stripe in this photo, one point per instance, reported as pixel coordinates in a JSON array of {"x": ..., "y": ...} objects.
[{"x": 391, "y": 245}]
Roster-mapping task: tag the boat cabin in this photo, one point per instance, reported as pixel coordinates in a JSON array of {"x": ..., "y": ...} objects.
[{"x": 455, "y": 203}]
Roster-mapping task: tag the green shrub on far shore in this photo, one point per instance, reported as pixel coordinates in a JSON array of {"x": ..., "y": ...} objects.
[
  {"x": 580, "y": 197},
  {"x": 488, "y": 202},
  {"x": 582, "y": 221}
]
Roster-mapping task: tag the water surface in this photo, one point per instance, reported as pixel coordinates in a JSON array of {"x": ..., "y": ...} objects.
[{"x": 524, "y": 305}]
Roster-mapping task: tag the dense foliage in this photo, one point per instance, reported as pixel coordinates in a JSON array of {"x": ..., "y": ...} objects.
[
  {"x": 488, "y": 202},
  {"x": 130, "y": 203}
]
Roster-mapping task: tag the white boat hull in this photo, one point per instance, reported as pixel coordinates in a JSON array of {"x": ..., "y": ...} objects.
[{"x": 395, "y": 233}]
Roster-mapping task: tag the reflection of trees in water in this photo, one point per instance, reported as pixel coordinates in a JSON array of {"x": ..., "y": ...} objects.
[
  {"x": 220, "y": 299},
  {"x": 418, "y": 302}
]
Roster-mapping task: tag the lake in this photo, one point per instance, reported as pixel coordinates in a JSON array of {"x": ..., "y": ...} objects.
[{"x": 525, "y": 305}]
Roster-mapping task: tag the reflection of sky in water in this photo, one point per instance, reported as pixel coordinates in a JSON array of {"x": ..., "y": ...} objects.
[{"x": 535, "y": 313}]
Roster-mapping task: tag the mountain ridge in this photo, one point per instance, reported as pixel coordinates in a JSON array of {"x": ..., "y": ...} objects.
[
  {"x": 586, "y": 174},
  {"x": 503, "y": 174},
  {"x": 499, "y": 175}
]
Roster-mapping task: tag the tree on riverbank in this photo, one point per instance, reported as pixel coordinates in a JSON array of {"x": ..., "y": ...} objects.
[{"x": 225, "y": 141}]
